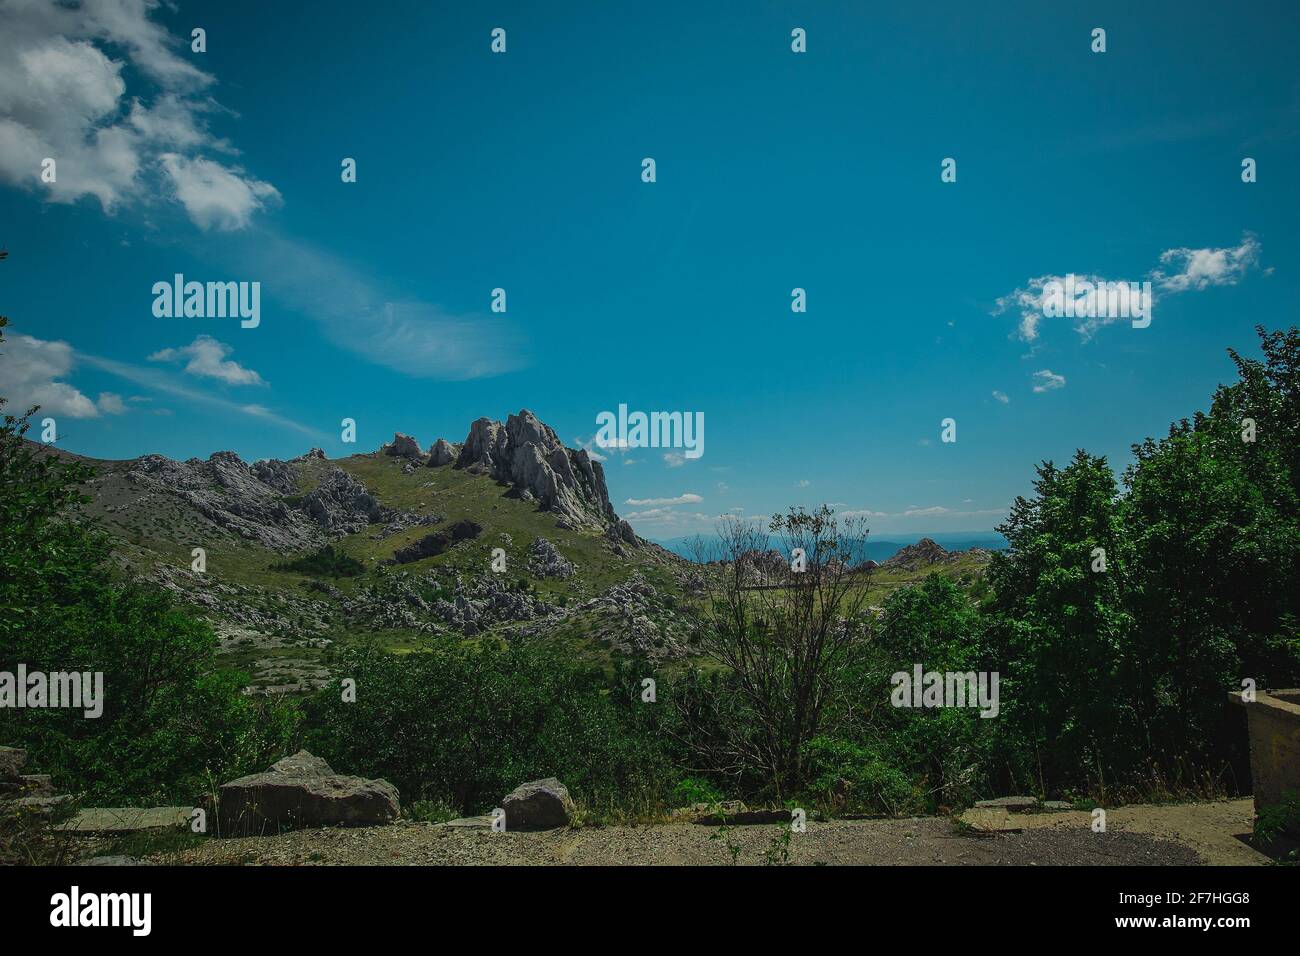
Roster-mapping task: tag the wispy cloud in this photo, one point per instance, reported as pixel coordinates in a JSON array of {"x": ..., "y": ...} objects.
[
  {"x": 358, "y": 313},
  {"x": 161, "y": 382},
  {"x": 1001, "y": 396},
  {"x": 1045, "y": 380},
  {"x": 686, "y": 499}
]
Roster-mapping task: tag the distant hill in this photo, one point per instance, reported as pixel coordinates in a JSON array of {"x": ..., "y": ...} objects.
[{"x": 873, "y": 549}]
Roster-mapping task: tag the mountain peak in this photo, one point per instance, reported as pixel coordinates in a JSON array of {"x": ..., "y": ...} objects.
[{"x": 526, "y": 453}]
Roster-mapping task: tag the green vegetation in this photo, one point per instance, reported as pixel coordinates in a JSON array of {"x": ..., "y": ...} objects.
[
  {"x": 462, "y": 725},
  {"x": 1280, "y": 821},
  {"x": 325, "y": 562},
  {"x": 171, "y": 718},
  {"x": 1112, "y": 680}
]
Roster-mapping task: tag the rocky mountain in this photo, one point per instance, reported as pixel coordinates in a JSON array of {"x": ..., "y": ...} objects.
[{"x": 507, "y": 533}]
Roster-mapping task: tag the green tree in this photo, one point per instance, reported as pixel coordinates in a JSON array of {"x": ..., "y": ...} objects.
[
  {"x": 171, "y": 719},
  {"x": 1060, "y": 628},
  {"x": 1213, "y": 526}
]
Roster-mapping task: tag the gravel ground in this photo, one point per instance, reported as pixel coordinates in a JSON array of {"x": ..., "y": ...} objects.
[{"x": 922, "y": 841}]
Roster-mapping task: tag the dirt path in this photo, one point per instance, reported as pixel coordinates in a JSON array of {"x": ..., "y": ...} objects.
[{"x": 1150, "y": 835}]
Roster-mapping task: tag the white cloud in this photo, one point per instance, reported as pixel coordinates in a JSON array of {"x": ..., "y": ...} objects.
[
  {"x": 1193, "y": 270},
  {"x": 31, "y": 370},
  {"x": 1202, "y": 268},
  {"x": 674, "y": 459},
  {"x": 686, "y": 499},
  {"x": 804, "y": 482},
  {"x": 1001, "y": 396},
  {"x": 916, "y": 511},
  {"x": 1045, "y": 380},
  {"x": 110, "y": 403},
  {"x": 63, "y": 95},
  {"x": 1032, "y": 299},
  {"x": 668, "y": 521},
  {"x": 207, "y": 359},
  {"x": 214, "y": 196}
]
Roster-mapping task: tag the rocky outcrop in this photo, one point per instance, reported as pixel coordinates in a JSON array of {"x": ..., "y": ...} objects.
[
  {"x": 527, "y": 454},
  {"x": 280, "y": 475},
  {"x": 635, "y": 619},
  {"x": 247, "y": 502},
  {"x": 403, "y": 446},
  {"x": 466, "y": 606},
  {"x": 924, "y": 552},
  {"x": 545, "y": 561},
  {"x": 442, "y": 453},
  {"x": 303, "y": 791},
  {"x": 340, "y": 504},
  {"x": 538, "y": 805}
]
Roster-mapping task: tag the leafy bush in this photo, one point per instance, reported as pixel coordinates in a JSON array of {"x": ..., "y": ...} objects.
[
  {"x": 466, "y": 725},
  {"x": 692, "y": 790},
  {"x": 845, "y": 777}
]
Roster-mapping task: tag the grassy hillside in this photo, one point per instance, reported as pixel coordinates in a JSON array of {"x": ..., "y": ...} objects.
[{"x": 281, "y": 626}]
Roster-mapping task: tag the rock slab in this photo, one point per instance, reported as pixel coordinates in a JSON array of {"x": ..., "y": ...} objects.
[{"x": 303, "y": 791}]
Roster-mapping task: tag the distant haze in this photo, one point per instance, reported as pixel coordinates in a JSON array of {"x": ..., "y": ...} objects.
[{"x": 872, "y": 548}]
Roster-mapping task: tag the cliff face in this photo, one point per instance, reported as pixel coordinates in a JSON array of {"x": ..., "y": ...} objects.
[{"x": 527, "y": 454}]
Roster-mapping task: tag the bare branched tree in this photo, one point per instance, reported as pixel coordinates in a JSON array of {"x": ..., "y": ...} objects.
[{"x": 785, "y": 623}]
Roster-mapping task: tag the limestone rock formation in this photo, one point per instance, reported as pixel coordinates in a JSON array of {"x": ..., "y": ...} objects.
[
  {"x": 248, "y": 502},
  {"x": 403, "y": 446},
  {"x": 340, "y": 504},
  {"x": 527, "y": 454},
  {"x": 442, "y": 453},
  {"x": 545, "y": 561},
  {"x": 303, "y": 791}
]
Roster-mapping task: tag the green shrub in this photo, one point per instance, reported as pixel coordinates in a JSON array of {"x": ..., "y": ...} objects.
[
  {"x": 692, "y": 790},
  {"x": 326, "y": 562},
  {"x": 847, "y": 778},
  {"x": 469, "y": 724}
]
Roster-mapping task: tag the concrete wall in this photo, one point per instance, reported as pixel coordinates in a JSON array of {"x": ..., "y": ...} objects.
[{"x": 1274, "y": 721}]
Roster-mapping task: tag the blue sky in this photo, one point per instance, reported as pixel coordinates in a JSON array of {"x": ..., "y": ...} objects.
[{"x": 775, "y": 170}]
